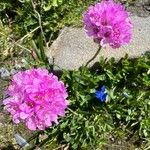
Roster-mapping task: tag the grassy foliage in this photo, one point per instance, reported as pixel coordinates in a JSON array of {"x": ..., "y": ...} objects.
[
  {"x": 54, "y": 14},
  {"x": 89, "y": 124}
]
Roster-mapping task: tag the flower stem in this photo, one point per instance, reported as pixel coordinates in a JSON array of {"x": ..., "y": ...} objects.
[{"x": 95, "y": 55}]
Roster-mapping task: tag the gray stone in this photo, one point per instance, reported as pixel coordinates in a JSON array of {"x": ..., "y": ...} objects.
[
  {"x": 13, "y": 71},
  {"x": 142, "y": 2},
  {"x": 139, "y": 11},
  {"x": 147, "y": 7},
  {"x": 21, "y": 141},
  {"x": 140, "y": 8},
  {"x": 73, "y": 48},
  {"x": 4, "y": 72}
]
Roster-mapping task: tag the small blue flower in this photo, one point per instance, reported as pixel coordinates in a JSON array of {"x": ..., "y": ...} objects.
[{"x": 101, "y": 94}]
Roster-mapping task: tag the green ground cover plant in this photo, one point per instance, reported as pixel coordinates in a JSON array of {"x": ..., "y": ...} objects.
[{"x": 125, "y": 114}]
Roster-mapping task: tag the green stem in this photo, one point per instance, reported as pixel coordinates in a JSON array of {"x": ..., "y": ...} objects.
[
  {"x": 93, "y": 56},
  {"x": 76, "y": 114}
]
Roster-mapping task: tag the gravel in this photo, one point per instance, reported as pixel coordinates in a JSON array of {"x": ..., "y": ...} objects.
[{"x": 4, "y": 72}]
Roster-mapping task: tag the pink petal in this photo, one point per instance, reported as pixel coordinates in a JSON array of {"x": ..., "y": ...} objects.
[
  {"x": 31, "y": 124},
  {"x": 23, "y": 115}
]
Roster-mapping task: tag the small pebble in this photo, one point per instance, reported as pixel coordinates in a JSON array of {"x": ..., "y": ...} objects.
[
  {"x": 21, "y": 141},
  {"x": 4, "y": 72},
  {"x": 13, "y": 71}
]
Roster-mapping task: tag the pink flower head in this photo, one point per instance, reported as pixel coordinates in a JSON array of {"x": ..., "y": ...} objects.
[
  {"x": 108, "y": 22},
  {"x": 36, "y": 98}
]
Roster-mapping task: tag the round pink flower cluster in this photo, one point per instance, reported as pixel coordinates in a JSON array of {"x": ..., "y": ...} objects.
[
  {"x": 108, "y": 23},
  {"x": 36, "y": 98}
]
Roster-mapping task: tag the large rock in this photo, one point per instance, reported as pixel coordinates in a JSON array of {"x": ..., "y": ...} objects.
[
  {"x": 73, "y": 48},
  {"x": 140, "y": 8}
]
